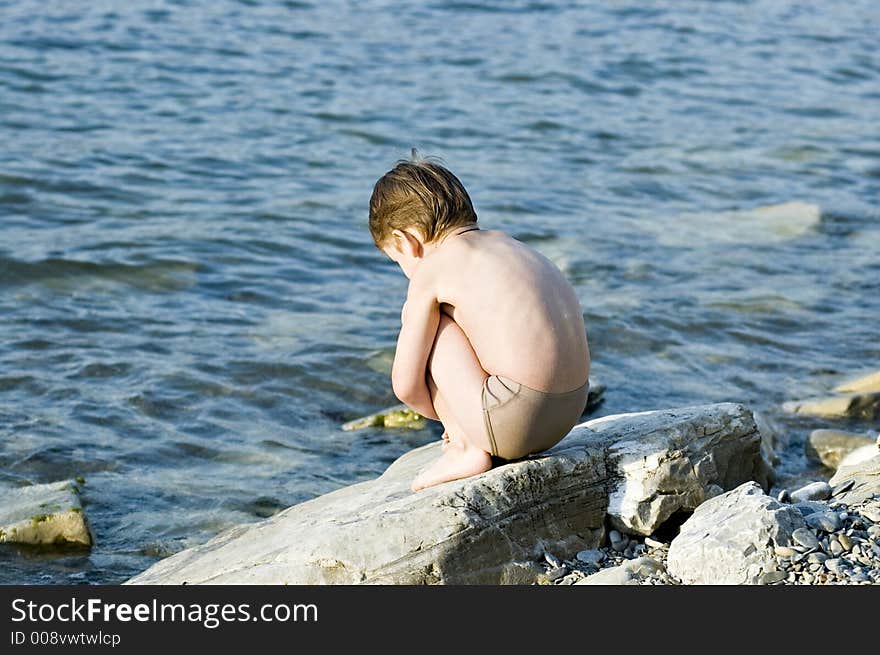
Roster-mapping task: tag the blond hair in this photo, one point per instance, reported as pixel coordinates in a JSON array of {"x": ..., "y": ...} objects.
[{"x": 418, "y": 193}]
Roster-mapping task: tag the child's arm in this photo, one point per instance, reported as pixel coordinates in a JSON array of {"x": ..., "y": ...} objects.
[{"x": 420, "y": 318}]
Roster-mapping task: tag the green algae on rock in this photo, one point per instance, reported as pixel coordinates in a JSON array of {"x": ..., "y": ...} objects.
[{"x": 43, "y": 514}]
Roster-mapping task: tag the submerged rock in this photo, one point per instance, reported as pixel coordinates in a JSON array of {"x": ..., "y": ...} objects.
[
  {"x": 855, "y": 405},
  {"x": 731, "y": 539},
  {"x": 43, "y": 514},
  {"x": 398, "y": 416},
  {"x": 870, "y": 382},
  {"x": 829, "y": 447},
  {"x": 483, "y": 529}
]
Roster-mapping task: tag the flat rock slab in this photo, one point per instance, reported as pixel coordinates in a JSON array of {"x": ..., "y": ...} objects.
[
  {"x": 731, "y": 539},
  {"x": 854, "y": 405},
  {"x": 830, "y": 446},
  {"x": 488, "y": 528},
  {"x": 43, "y": 514}
]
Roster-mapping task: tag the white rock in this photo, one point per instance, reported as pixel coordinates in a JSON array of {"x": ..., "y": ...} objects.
[
  {"x": 471, "y": 531},
  {"x": 43, "y": 514},
  {"x": 731, "y": 538},
  {"x": 667, "y": 470}
]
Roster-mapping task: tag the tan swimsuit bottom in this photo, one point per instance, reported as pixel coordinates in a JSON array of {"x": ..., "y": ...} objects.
[{"x": 521, "y": 420}]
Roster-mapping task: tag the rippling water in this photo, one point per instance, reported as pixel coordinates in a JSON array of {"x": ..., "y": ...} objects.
[{"x": 190, "y": 303}]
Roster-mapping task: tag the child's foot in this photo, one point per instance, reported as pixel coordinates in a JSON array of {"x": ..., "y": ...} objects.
[{"x": 454, "y": 464}]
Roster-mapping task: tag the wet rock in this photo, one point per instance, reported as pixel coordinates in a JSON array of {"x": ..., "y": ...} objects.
[
  {"x": 631, "y": 572},
  {"x": 869, "y": 382},
  {"x": 857, "y": 405},
  {"x": 813, "y": 491},
  {"x": 469, "y": 531},
  {"x": 43, "y": 514},
  {"x": 829, "y": 447},
  {"x": 730, "y": 539}
]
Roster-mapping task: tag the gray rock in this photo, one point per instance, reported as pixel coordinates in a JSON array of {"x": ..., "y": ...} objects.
[
  {"x": 618, "y": 541},
  {"x": 805, "y": 537},
  {"x": 865, "y": 476},
  {"x": 558, "y": 572},
  {"x": 593, "y": 556},
  {"x": 783, "y": 496},
  {"x": 770, "y": 437},
  {"x": 813, "y": 491},
  {"x": 730, "y": 539},
  {"x": 653, "y": 543},
  {"x": 43, "y": 514},
  {"x": 631, "y": 572},
  {"x": 470, "y": 531},
  {"x": 830, "y": 446},
  {"x": 835, "y": 548},
  {"x": 856, "y": 405},
  {"x": 784, "y": 551},
  {"x": 825, "y": 521}
]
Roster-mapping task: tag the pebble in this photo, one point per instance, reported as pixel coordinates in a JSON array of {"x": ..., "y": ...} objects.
[
  {"x": 843, "y": 486},
  {"x": 805, "y": 538},
  {"x": 825, "y": 521},
  {"x": 833, "y": 565},
  {"x": 807, "y": 578},
  {"x": 812, "y": 491},
  {"x": 783, "y": 496},
  {"x": 591, "y": 557},
  {"x": 816, "y": 558},
  {"x": 845, "y": 542},
  {"x": 771, "y": 576},
  {"x": 653, "y": 543},
  {"x": 618, "y": 542},
  {"x": 555, "y": 574},
  {"x": 784, "y": 551},
  {"x": 835, "y": 548},
  {"x": 872, "y": 513},
  {"x": 552, "y": 560}
]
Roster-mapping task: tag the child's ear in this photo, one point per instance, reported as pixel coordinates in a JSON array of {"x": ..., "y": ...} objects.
[{"x": 409, "y": 243}]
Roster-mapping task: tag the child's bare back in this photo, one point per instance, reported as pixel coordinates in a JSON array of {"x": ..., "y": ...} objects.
[
  {"x": 519, "y": 313},
  {"x": 492, "y": 341}
]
